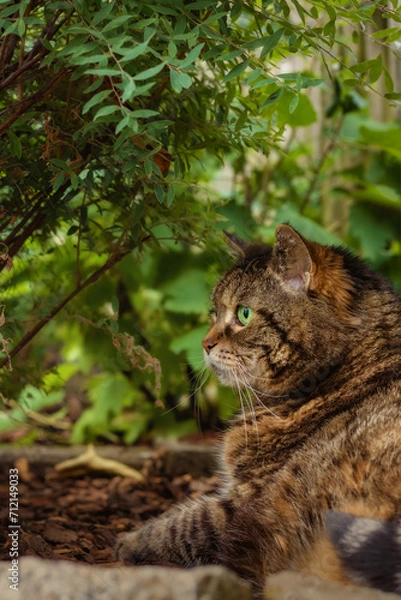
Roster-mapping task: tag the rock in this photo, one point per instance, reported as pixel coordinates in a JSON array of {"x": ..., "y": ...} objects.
[
  {"x": 39, "y": 579},
  {"x": 289, "y": 585},
  {"x": 60, "y": 580}
]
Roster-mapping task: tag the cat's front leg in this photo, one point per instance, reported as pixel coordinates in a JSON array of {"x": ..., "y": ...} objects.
[{"x": 189, "y": 534}]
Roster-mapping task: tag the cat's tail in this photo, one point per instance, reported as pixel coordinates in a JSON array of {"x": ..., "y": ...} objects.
[{"x": 369, "y": 549}]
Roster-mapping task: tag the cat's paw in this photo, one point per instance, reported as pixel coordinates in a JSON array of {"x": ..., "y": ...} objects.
[{"x": 127, "y": 548}]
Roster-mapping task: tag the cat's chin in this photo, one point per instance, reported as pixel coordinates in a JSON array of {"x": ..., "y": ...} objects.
[{"x": 224, "y": 375}]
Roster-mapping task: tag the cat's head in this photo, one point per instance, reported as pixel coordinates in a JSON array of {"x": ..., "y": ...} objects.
[{"x": 282, "y": 317}]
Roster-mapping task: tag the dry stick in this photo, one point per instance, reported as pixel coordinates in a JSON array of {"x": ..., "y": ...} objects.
[{"x": 111, "y": 261}]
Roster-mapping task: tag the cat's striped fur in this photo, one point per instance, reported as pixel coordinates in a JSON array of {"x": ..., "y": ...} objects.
[{"x": 321, "y": 361}]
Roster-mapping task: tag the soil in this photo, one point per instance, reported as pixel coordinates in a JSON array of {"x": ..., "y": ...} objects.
[{"x": 79, "y": 518}]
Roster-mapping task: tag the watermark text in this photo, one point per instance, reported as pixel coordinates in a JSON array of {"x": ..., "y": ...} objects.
[{"x": 13, "y": 529}]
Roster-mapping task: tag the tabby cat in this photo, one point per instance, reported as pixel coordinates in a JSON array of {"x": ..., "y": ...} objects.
[{"x": 310, "y": 338}]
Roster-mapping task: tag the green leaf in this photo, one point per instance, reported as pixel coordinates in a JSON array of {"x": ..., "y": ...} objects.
[
  {"x": 271, "y": 42},
  {"x": 129, "y": 88},
  {"x": 272, "y": 99},
  {"x": 148, "y": 164},
  {"x": 116, "y": 22},
  {"x": 236, "y": 71},
  {"x": 388, "y": 32},
  {"x": 144, "y": 113},
  {"x": 191, "y": 344},
  {"x": 134, "y": 427},
  {"x": 191, "y": 56},
  {"x": 214, "y": 17},
  {"x": 388, "y": 80},
  {"x": 94, "y": 86},
  {"x": 115, "y": 305},
  {"x": 308, "y": 82},
  {"x": 383, "y": 195},
  {"x": 159, "y": 191},
  {"x": 58, "y": 181},
  {"x": 32, "y": 398},
  {"x": 269, "y": 81},
  {"x": 364, "y": 66},
  {"x": 170, "y": 195},
  {"x": 105, "y": 111},
  {"x": 188, "y": 293},
  {"x": 179, "y": 81},
  {"x": 293, "y": 104},
  {"x": 201, "y": 4},
  {"x": 101, "y": 14},
  {"x": 15, "y": 144},
  {"x": 256, "y": 43},
  {"x": 393, "y": 96},
  {"x": 96, "y": 99},
  {"x": 109, "y": 72},
  {"x": 132, "y": 53},
  {"x": 376, "y": 69},
  {"x": 329, "y": 30},
  {"x": 215, "y": 50},
  {"x": 148, "y": 73},
  {"x": 363, "y": 225},
  {"x": 236, "y": 10},
  {"x": 382, "y": 137},
  {"x": 229, "y": 55},
  {"x": 172, "y": 49},
  {"x": 127, "y": 121},
  {"x": 108, "y": 392},
  {"x": 254, "y": 75},
  {"x": 289, "y": 213}
]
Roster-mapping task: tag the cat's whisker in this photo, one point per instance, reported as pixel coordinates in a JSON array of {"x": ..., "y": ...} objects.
[
  {"x": 244, "y": 388},
  {"x": 255, "y": 377},
  {"x": 247, "y": 388},
  {"x": 200, "y": 380},
  {"x": 243, "y": 411},
  {"x": 253, "y": 414},
  {"x": 255, "y": 393}
]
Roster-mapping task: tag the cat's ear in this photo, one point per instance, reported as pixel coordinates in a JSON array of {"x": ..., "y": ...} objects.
[
  {"x": 238, "y": 248},
  {"x": 292, "y": 259}
]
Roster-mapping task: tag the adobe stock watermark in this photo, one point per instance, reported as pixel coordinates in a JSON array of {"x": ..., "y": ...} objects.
[{"x": 13, "y": 529}]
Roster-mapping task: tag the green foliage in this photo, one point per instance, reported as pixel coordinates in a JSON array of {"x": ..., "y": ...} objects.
[{"x": 118, "y": 122}]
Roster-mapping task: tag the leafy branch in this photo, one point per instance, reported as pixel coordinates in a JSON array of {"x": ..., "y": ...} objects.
[{"x": 28, "y": 337}]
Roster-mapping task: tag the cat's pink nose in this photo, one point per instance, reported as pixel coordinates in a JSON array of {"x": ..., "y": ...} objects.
[{"x": 209, "y": 343}]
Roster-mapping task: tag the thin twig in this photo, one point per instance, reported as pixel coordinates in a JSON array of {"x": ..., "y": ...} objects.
[
  {"x": 111, "y": 261},
  {"x": 318, "y": 168},
  {"x": 20, "y": 108}
]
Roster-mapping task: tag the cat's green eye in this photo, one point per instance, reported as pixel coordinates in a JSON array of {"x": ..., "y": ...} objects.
[{"x": 244, "y": 314}]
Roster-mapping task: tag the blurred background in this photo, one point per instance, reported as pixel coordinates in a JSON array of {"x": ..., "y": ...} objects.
[{"x": 131, "y": 136}]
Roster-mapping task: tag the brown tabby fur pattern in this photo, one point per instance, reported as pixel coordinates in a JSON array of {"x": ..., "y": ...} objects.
[{"x": 318, "y": 367}]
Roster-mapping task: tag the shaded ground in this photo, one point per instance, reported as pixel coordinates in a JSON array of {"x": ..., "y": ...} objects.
[{"x": 79, "y": 518}]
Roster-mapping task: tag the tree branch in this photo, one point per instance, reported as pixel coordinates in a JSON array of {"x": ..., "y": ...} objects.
[
  {"x": 19, "y": 108},
  {"x": 111, "y": 261}
]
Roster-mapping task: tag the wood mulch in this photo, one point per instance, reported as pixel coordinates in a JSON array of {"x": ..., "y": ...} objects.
[{"x": 79, "y": 518}]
